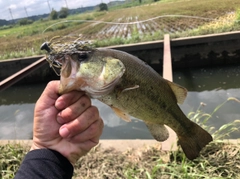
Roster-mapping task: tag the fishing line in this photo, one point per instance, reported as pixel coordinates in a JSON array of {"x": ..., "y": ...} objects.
[
  {"x": 128, "y": 23},
  {"x": 138, "y": 21}
]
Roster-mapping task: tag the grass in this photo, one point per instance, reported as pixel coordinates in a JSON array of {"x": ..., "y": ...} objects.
[
  {"x": 17, "y": 41},
  {"x": 218, "y": 160},
  {"x": 10, "y": 158}
]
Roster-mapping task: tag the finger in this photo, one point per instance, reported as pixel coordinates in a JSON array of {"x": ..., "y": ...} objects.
[
  {"x": 80, "y": 124},
  {"x": 68, "y": 99},
  {"x": 73, "y": 111},
  {"x": 92, "y": 133},
  {"x": 49, "y": 95}
]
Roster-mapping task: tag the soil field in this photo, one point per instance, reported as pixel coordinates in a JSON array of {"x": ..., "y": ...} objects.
[{"x": 179, "y": 18}]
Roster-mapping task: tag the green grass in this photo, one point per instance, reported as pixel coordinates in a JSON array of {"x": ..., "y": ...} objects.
[
  {"x": 10, "y": 158},
  {"x": 16, "y": 40}
]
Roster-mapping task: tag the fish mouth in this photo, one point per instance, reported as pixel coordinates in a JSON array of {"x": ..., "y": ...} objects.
[
  {"x": 68, "y": 76},
  {"x": 95, "y": 77}
]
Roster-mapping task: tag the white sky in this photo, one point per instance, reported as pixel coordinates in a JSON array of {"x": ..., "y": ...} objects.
[{"x": 21, "y": 8}]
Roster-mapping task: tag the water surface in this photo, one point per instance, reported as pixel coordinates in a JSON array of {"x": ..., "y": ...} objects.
[{"x": 211, "y": 86}]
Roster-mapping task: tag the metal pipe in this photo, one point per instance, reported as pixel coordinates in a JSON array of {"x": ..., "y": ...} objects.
[{"x": 4, "y": 84}]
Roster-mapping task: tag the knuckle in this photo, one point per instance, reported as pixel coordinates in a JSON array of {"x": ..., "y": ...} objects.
[
  {"x": 67, "y": 113},
  {"x": 91, "y": 114},
  {"x": 94, "y": 111},
  {"x": 85, "y": 101},
  {"x": 50, "y": 83},
  {"x": 93, "y": 130}
]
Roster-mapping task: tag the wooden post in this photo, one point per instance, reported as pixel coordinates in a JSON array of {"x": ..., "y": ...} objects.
[
  {"x": 167, "y": 59},
  {"x": 171, "y": 142}
]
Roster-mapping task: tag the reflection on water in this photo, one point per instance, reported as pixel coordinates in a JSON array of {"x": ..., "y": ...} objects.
[
  {"x": 16, "y": 116},
  {"x": 116, "y": 128},
  {"x": 16, "y": 121},
  {"x": 214, "y": 78},
  {"x": 210, "y": 86},
  {"x": 227, "y": 113}
]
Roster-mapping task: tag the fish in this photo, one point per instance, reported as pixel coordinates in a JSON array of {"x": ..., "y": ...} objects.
[{"x": 130, "y": 87}]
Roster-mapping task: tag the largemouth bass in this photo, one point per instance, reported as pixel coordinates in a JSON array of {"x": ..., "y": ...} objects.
[{"x": 130, "y": 87}]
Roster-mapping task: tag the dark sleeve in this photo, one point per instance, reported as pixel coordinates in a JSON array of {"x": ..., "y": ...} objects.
[{"x": 44, "y": 163}]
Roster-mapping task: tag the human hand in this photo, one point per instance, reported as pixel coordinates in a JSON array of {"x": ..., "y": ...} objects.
[{"x": 67, "y": 124}]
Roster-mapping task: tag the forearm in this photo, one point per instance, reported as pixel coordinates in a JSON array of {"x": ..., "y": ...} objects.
[{"x": 45, "y": 163}]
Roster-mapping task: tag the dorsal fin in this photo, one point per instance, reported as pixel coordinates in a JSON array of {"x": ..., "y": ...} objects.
[{"x": 179, "y": 91}]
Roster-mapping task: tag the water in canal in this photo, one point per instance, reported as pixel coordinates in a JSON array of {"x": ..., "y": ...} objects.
[{"x": 211, "y": 86}]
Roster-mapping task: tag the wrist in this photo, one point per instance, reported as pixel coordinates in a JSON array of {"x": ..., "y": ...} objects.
[{"x": 36, "y": 146}]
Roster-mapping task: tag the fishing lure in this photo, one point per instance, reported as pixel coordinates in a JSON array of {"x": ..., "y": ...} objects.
[{"x": 58, "y": 49}]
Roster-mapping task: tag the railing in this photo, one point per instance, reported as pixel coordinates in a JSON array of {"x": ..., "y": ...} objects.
[{"x": 21, "y": 74}]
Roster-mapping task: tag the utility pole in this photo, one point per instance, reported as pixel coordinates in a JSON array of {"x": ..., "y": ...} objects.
[
  {"x": 66, "y": 3},
  {"x": 10, "y": 11},
  {"x": 49, "y": 6},
  {"x": 26, "y": 11}
]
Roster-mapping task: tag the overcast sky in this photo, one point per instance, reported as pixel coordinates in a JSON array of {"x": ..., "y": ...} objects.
[{"x": 22, "y": 8}]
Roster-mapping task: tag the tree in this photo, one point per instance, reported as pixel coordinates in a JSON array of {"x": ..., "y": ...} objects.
[
  {"x": 53, "y": 15},
  {"x": 25, "y": 21},
  {"x": 103, "y": 7},
  {"x": 140, "y": 1},
  {"x": 63, "y": 13}
]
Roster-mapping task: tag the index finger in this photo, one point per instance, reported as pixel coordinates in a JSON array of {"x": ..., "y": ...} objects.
[{"x": 50, "y": 94}]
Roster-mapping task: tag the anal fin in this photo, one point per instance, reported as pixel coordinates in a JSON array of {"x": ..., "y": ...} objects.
[
  {"x": 158, "y": 131},
  {"x": 121, "y": 114}
]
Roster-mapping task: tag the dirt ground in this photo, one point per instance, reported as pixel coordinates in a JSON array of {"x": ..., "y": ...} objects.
[{"x": 218, "y": 160}]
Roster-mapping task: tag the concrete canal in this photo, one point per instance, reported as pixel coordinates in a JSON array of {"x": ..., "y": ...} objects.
[{"x": 209, "y": 67}]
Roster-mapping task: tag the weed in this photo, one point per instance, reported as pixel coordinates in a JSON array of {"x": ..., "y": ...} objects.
[
  {"x": 10, "y": 158},
  {"x": 217, "y": 16},
  {"x": 238, "y": 16}
]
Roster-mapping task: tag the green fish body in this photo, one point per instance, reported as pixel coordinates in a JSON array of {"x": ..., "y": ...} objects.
[{"x": 132, "y": 88}]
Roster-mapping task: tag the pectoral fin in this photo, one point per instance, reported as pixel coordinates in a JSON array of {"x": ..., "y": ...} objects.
[
  {"x": 158, "y": 131},
  {"x": 127, "y": 89},
  {"x": 130, "y": 88},
  {"x": 121, "y": 114}
]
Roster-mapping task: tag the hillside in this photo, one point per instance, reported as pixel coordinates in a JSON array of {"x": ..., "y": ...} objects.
[{"x": 146, "y": 22}]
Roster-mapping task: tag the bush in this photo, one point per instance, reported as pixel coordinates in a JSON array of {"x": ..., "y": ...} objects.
[
  {"x": 63, "y": 13},
  {"x": 103, "y": 7},
  {"x": 6, "y": 27},
  {"x": 53, "y": 15},
  {"x": 25, "y": 21}
]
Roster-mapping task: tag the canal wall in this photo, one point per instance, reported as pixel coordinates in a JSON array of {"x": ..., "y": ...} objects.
[
  {"x": 11, "y": 66},
  {"x": 189, "y": 52},
  {"x": 197, "y": 51}
]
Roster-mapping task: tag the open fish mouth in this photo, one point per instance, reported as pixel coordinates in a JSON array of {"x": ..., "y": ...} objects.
[
  {"x": 82, "y": 67},
  {"x": 57, "y": 51}
]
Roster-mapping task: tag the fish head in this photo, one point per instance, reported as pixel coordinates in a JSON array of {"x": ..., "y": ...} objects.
[{"x": 84, "y": 68}]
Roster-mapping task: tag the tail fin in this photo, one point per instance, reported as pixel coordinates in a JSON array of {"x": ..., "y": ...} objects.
[{"x": 193, "y": 142}]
